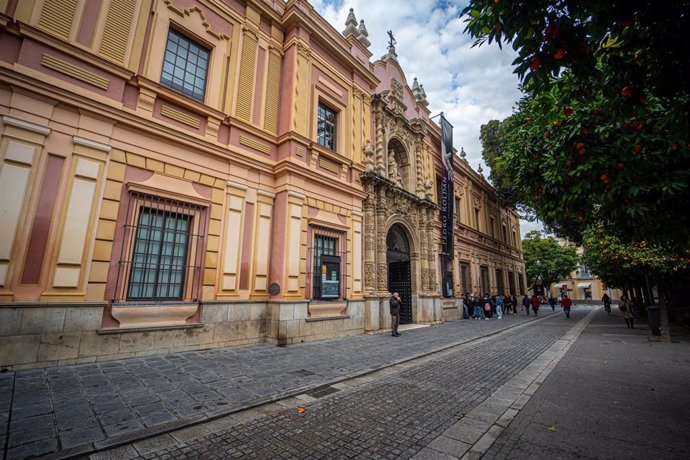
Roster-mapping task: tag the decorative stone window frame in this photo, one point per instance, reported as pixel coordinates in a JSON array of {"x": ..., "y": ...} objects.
[
  {"x": 134, "y": 314},
  {"x": 139, "y": 199},
  {"x": 174, "y": 29},
  {"x": 322, "y": 96}
]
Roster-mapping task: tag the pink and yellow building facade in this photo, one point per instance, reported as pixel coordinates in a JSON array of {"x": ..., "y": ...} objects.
[{"x": 182, "y": 175}]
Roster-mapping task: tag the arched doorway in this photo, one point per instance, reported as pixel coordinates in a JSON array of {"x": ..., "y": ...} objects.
[{"x": 399, "y": 273}]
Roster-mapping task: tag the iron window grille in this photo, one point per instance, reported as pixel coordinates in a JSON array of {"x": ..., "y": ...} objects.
[
  {"x": 326, "y": 252},
  {"x": 326, "y": 128},
  {"x": 162, "y": 249},
  {"x": 185, "y": 66}
]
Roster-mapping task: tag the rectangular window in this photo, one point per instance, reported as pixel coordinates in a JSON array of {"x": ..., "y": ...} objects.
[
  {"x": 500, "y": 286},
  {"x": 476, "y": 218},
  {"x": 457, "y": 209},
  {"x": 484, "y": 280},
  {"x": 511, "y": 282},
  {"x": 327, "y": 263},
  {"x": 185, "y": 66},
  {"x": 465, "y": 277},
  {"x": 160, "y": 255},
  {"x": 521, "y": 283},
  {"x": 505, "y": 235},
  {"x": 326, "y": 127},
  {"x": 162, "y": 250},
  {"x": 493, "y": 224}
]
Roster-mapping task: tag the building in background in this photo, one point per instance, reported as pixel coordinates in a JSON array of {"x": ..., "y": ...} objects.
[
  {"x": 181, "y": 175},
  {"x": 583, "y": 285}
]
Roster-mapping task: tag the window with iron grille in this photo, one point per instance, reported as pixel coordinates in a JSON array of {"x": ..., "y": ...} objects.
[
  {"x": 185, "y": 66},
  {"x": 326, "y": 128},
  {"x": 162, "y": 250},
  {"x": 327, "y": 260}
]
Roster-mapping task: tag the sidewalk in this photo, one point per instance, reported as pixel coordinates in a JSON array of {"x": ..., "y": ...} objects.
[
  {"x": 614, "y": 395},
  {"x": 74, "y": 410}
]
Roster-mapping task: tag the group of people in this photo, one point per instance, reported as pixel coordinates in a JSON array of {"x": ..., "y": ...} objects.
[{"x": 488, "y": 307}]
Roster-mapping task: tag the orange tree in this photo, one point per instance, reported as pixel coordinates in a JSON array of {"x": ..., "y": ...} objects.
[
  {"x": 626, "y": 265},
  {"x": 602, "y": 133}
]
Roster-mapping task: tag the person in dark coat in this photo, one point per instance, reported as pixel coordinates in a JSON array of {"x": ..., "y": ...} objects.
[
  {"x": 535, "y": 304},
  {"x": 552, "y": 302},
  {"x": 395, "y": 304},
  {"x": 525, "y": 304}
]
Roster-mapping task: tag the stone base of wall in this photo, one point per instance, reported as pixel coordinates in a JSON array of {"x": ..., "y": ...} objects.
[
  {"x": 41, "y": 335},
  {"x": 452, "y": 310}
]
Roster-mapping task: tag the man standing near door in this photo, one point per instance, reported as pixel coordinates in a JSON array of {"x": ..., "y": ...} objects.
[{"x": 395, "y": 304}]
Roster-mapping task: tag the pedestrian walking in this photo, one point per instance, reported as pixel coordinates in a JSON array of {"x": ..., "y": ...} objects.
[
  {"x": 466, "y": 306},
  {"x": 552, "y": 302},
  {"x": 395, "y": 304},
  {"x": 507, "y": 304},
  {"x": 625, "y": 307},
  {"x": 499, "y": 306},
  {"x": 535, "y": 304},
  {"x": 526, "y": 304},
  {"x": 515, "y": 303},
  {"x": 566, "y": 303}
]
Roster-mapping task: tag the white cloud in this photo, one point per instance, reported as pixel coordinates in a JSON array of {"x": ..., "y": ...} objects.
[{"x": 470, "y": 85}]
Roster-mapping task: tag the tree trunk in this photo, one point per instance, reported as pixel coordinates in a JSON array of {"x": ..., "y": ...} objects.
[{"x": 663, "y": 311}]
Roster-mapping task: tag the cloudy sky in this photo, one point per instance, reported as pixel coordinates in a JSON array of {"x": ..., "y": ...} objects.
[{"x": 470, "y": 85}]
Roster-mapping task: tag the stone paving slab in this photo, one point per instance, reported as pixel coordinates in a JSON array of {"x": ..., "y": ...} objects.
[
  {"x": 480, "y": 427},
  {"x": 399, "y": 413},
  {"x": 614, "y": 395},
  {"x": 75, "y": 409}
]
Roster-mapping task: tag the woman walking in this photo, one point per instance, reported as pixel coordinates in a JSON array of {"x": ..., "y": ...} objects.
[{"x": 624, "y": 307}]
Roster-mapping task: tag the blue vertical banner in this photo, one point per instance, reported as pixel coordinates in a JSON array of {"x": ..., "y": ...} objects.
[{"x": 447, "y": 196}]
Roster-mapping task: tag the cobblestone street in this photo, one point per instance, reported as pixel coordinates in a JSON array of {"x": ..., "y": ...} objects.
[
  {"x": 395, "y": 413},
  {"x": 81, "y": 408}
]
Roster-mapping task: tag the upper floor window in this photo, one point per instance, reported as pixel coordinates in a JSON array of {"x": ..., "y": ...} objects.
[
  {"x": 583, "y": 272},
  {"x": 326, "y": 127},
  {"x": 185, "y": 66},
  {"x": 457, "y": 209}
]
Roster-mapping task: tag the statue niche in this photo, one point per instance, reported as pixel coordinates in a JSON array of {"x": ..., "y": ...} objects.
[{"x": 399, "y": 167}]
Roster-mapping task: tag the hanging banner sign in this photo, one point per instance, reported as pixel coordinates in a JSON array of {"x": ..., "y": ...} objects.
[{"x": 447, "y": 200}]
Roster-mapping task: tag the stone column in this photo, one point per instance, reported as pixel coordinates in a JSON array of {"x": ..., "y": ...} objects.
[
  {"x": 419, "y": 168},
  {"x": 369, "y": 241},
  {"x": 431, "y": 238},
  {"x": 380, "y": 148},
  {"x": 423, "y": 251},
  {"x": 381, "y": 267}
]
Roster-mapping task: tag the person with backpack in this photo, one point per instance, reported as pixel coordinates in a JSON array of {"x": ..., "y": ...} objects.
[{"x": 488, "y": 311}]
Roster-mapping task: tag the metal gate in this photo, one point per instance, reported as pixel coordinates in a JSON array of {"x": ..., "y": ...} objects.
[{"x": 399, "y": 281}]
